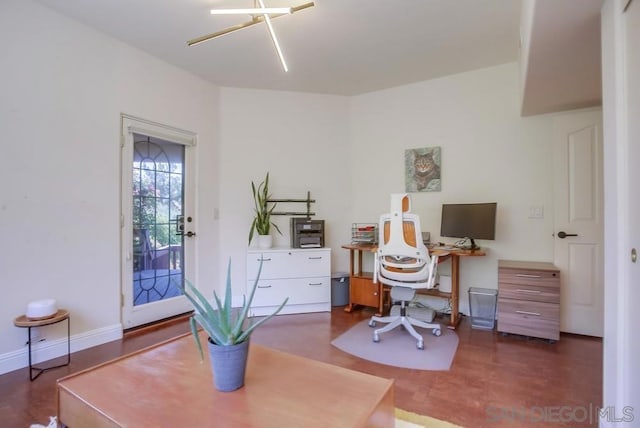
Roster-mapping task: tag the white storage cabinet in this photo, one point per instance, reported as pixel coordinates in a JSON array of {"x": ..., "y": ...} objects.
[{"x": 303, "y": 275}]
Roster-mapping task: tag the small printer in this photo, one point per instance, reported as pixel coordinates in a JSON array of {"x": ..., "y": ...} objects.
[{"x": 307, "y": 233}]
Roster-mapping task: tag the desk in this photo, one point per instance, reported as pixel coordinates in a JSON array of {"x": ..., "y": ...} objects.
[
  {"x": 364, "y": 292},
  {"x": 167, "y": 385},
  {"x": 24, "y": 322}
]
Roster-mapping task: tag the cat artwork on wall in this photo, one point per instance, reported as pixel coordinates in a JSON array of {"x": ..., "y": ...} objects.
[{"x": 422, "y": 169}]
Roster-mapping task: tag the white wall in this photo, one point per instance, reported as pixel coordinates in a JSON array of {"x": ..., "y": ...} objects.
[
  {"x": 489, "y": 154},
  {"x": 302, "y": 140},
  {"x": 64, "y": 88}
]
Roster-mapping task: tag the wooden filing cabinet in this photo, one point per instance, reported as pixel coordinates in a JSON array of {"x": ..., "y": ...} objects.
[
  {"x": 362, "y": 290},
  {"x": 529, "y": 299},
  {"x": 302, "y": 275}
]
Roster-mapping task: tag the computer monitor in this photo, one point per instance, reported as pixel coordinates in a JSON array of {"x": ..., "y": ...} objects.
[{"x": 469, "y": 221}]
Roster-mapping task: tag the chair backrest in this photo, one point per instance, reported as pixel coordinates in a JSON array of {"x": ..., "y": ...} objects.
[{"x": 402, "y": 258}]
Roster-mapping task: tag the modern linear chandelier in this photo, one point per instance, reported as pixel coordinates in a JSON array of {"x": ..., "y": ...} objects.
[{"x": 259, "y": 13}]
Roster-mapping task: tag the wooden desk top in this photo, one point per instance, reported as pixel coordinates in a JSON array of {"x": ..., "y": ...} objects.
[
  {"x": 435, "y": 250},
  {"x": 168, "y": 385}
]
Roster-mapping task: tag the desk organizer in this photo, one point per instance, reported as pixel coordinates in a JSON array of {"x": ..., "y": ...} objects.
[{"x": 364, "y": 233}]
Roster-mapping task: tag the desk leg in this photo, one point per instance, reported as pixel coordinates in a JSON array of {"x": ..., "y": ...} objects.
[
  {"x": 455, "y": 292},
  {"x": 350, "y": 306}
]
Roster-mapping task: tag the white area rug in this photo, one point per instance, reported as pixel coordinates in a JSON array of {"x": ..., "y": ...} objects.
[{"x": 398, "y": 348}]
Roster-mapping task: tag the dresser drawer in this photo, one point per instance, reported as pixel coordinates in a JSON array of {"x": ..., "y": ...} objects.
[
  {"x": 540, "y": 278},
  {"x": 538, "y": 293},
  {"x": 537, "y": 319},
  {"x": 289, "y": 264},
  {"x": 528, "y": 309},
  {"x": 272, "y": 292}
]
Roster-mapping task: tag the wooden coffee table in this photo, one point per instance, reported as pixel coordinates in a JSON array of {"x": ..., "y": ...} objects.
[{"x": 167, "y": 385}]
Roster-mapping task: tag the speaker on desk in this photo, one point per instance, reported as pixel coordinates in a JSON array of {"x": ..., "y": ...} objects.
[{"x": 426, "y": 238}]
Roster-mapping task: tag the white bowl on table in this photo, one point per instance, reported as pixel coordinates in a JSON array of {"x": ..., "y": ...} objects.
[{"x": 41, "y": 309}]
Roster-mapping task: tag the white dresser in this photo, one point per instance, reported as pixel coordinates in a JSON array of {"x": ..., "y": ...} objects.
[{"x": 303, "y": 275}]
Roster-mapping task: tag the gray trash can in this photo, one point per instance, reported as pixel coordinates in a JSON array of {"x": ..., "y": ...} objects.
[
  {"x": 339, "y": 289},
  {"x": 482, "y": 307}
]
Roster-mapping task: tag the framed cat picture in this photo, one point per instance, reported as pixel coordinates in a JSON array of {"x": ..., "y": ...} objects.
[{"x": 422, "y": 169}]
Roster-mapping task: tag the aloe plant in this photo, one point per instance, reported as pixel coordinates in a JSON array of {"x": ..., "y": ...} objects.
[
  {"x": 225, "y": 325},
  {"x": 262, "y": 221}
]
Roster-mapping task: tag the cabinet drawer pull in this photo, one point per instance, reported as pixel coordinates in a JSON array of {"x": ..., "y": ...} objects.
[
  {"x": 315, "y": 258},
  {"x": 524, "y": 275},
  {"x": 315, "y": 284},
  {"x": 264, "y": 260},
  {"x": 528, "y": 313},
  {"x": 521, "y": 290},
  {"x": 264, "y": 286}
]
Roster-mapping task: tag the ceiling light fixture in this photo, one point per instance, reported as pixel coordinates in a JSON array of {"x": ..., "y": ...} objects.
[
  {"x": 259, "y": 15},
  {"x": 272, "y": 33},
  {"x": 253, "y": 11}
]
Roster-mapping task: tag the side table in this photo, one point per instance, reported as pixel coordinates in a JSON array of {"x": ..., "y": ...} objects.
[{"x": 22, "y": 321}]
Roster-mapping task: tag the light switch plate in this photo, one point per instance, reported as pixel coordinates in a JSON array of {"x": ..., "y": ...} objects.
[{"x": 536, "y": 211}]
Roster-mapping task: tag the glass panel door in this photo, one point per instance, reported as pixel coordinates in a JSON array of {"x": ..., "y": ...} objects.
[{"x": 158, "y": 225}]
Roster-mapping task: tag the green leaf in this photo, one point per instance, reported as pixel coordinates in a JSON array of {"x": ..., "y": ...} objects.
[{"x": 224, "y": 325}]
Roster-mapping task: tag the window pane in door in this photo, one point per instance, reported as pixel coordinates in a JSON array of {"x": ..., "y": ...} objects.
[{"x": 158, "y": 192}]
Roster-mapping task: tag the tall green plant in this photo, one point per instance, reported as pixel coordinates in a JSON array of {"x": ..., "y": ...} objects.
[
  {"x": 262, "y": 221},
  {"x": 225, "y": 325}
]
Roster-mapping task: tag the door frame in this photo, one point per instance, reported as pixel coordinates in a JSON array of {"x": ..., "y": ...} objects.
[
  {"x": 620, "y": 380},
  {"x": 129, "y": 314}
]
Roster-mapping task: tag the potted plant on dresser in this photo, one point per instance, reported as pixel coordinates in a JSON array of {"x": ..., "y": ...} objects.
[
  {"x": 262, "y": 220},
  {"x": 229, "y": 330}
]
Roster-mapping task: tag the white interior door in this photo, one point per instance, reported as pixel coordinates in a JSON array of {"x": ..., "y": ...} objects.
[
  {"x": 158, "y": 223},
  {"x": 579, "y": 221}
]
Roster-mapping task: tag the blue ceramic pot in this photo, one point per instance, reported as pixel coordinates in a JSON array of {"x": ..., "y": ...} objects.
[{"x": 228, "y": 364}]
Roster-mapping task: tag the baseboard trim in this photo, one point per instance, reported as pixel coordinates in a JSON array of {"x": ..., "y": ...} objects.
[{"x": 44, "y": 351}]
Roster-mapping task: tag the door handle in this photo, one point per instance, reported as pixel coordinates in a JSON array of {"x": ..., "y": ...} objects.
[
  {"x": 563, "y": 235},
  {"x": 190, "y": 234}
]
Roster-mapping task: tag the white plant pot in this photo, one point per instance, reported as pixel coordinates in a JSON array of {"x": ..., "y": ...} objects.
[{"x": 265, "y": 241}]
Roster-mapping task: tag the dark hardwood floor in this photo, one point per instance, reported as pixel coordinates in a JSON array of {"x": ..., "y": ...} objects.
[{"x": 494, "y": 381}]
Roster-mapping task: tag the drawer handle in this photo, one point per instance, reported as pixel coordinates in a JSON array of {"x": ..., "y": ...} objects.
[
  {"x": 528, "y": 313},
  {"x": 524, "y": 275},
  {"x": 520, "y": 290},
  {"x": 264, "y": 260},
  {"x": 315, "y": 284},
  {"x": 315, "y": 258},
  {"x": 264, "y": 286}
]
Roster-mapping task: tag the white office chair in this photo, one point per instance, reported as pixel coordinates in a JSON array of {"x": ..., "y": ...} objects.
[{"x": 403, "y": 262}]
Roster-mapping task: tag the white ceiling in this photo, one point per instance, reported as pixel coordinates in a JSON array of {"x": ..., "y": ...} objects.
[{"x": 343, "y": 47}]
